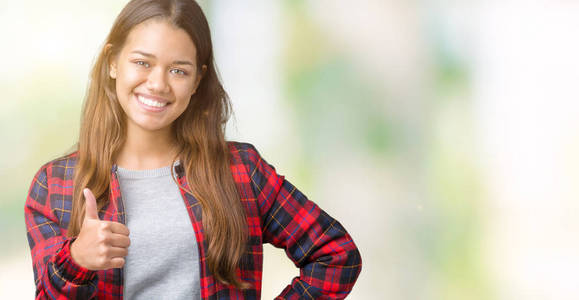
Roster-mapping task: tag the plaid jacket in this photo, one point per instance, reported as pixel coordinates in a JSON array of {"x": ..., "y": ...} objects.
[{"x": 276, "y": 212}]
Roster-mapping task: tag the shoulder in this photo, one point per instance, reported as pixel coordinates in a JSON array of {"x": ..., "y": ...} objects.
[
  {"x": 61, "y": 167},
  {"x": 242, "y": 149},
  {"x": 55, "y": 176},
  {"x": 235, "y": 146},
  {"x": 243, "y": 152},
  {"x": 246, "y": 155}
]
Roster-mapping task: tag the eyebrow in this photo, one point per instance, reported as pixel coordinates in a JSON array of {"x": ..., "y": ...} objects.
[{"x": 177, "y": 62}]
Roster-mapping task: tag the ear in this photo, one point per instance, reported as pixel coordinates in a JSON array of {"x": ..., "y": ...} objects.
[
  {"x": 203, "y": 70},
  {"x": 111, "y": 61},
  {"x": 113, "y": 70}
]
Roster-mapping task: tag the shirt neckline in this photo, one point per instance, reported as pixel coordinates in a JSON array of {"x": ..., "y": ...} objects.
[{"x": 148, "y": 173}]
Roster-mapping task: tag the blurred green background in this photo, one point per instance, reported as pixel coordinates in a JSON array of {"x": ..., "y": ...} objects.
[{"x": 441, "y": 134}]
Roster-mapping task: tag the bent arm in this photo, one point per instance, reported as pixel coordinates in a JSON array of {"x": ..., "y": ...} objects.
[
  {"x": 328, "y": 259},
  {"x": 56, "y": 274}
]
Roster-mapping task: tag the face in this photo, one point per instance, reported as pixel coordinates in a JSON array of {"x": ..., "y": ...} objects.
[{"x": 156, "y": 74}]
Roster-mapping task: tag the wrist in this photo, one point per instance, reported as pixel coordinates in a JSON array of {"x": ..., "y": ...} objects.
[
  {"x": 73, "y": 252},
  {"x": 68, "y": 268}
]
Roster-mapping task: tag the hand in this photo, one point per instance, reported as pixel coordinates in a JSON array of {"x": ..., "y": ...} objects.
[{"x": 100, "y": 245}]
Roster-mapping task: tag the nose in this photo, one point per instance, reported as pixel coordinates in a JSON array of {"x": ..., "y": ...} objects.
[{"x": 156, "y": 81}]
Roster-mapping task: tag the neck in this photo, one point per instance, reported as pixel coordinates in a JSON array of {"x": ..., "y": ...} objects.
[{"x": 144, "y": 150}]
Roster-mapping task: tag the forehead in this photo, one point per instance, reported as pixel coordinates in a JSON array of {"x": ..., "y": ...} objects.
[{"x": 161, "y": 39}]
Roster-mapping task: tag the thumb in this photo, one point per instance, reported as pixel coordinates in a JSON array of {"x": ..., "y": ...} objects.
[{"x": 90, "y": 205}]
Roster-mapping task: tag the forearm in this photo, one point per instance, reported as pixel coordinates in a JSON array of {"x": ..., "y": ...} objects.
[
  {"x": 329, "y": 265},
  {"x": 57, "y": 276}
]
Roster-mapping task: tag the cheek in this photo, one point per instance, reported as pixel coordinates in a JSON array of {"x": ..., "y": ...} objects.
[
  {"x": 183, "y": 92},
  {"x": 184, "y": 102},
  {"x": 128, "y": 78}
]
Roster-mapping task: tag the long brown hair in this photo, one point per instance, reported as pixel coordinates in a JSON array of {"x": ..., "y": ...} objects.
[{"x": 199, "y": 132}]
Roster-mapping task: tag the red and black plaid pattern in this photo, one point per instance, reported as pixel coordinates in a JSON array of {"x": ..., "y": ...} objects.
[{"x": 276, "y": 212}]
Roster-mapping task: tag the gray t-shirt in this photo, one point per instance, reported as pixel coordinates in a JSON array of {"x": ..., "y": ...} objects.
[{"x": 163, "y": 259}]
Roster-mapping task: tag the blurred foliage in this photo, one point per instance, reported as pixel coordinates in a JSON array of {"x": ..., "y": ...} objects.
[{"x": 329, "y": 98}]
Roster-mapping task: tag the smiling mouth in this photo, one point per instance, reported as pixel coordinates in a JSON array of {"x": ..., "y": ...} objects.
[{"x": 151, "y": 102}]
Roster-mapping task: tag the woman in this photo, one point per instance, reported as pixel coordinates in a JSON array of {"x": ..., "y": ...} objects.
[{"x": 152, "y": 130}]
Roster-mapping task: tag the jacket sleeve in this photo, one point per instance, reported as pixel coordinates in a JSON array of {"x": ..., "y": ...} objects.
[
  {"x": 318, "y": 245},
  {"x": 56, "y": 274}
]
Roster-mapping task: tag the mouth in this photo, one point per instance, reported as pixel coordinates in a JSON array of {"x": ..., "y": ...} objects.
[{"x": 151, "y": 103}]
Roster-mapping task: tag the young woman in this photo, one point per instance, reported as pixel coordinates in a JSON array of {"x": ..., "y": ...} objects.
[{"x": 195, "y": 209}]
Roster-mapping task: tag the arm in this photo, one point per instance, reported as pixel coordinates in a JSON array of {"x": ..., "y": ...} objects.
[
  {"x": 328, "y": 259},
  {"x": 56, "y": 275}
]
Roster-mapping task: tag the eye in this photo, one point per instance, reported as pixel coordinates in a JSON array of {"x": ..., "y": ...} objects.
[
  {"x": 142, "y": 63},
  {"x": 178, "y": 71}
]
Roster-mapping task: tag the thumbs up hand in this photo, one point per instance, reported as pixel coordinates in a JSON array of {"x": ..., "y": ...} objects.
[{"x": 100, "y": 245}]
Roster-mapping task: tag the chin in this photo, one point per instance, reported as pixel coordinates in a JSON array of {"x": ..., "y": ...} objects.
[{"x": 148, "y": 126}]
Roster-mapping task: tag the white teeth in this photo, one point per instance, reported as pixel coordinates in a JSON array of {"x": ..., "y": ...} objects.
[{"x": 150, "y": 102}]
